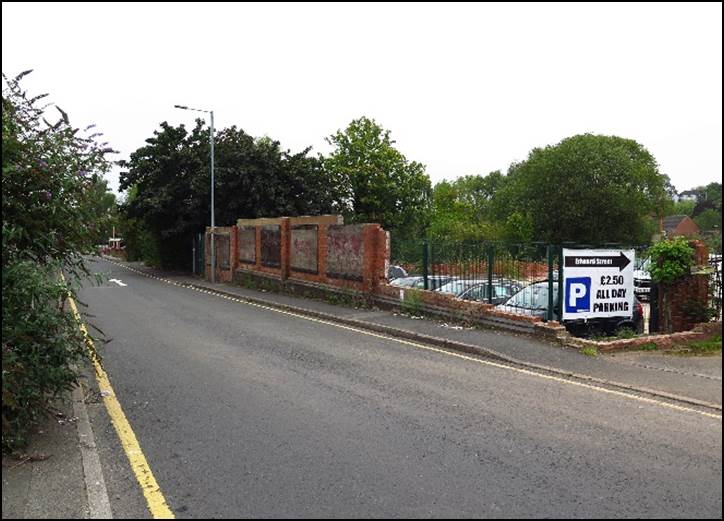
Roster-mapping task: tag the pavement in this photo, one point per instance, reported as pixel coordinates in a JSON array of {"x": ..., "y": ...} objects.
[
  {"x": 47, "y": 480},
  {"x": 276, "y": 418}
]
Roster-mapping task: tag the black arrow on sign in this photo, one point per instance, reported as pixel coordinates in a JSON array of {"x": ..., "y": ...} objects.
[{"x": 597, "y": 261}]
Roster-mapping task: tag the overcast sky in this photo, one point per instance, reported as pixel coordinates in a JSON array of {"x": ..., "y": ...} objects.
[{"x": 464, "y": 88}]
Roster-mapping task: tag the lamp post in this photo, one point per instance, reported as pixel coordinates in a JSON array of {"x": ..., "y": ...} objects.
[{"x": 213, "y": 223}]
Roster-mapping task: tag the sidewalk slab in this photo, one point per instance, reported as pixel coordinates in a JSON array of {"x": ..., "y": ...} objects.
[{"x": 51, "y": 488}]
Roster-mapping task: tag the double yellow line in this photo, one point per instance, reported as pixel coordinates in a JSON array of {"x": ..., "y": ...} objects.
[{"x": 154, "y": 497}]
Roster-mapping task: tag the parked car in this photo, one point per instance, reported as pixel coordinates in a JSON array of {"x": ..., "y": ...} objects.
[
  {"x": 533, "y": 300},
  {"x": 404, "y": 282},
  {"x": 418, "y": 282},
  {"x": 396, "y": 272},
  {"x": 477, "y": 289}
]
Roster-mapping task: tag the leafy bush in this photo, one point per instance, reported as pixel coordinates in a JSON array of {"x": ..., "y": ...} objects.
[
  {"x": 671, "y": 260},
  {"x": 50, "y": 218}
]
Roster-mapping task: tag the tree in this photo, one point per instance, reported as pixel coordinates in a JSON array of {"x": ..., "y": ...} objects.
[
  {"x": 376, "y": 182},
  {"x": 462, "y": 209},
  {"x": 709, "y": 219},
  {"x": 253, "y": 178},
  {"x": 587, "y": 188},
  {"x": 685, "y": 207},
  {"x": 103, "y": 205}
]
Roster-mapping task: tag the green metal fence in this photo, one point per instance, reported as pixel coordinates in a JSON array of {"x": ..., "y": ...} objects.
[{"x": 490, "y": 271}]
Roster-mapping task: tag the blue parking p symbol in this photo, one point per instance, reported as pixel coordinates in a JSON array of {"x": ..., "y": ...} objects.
[{"x": 578, "y": 295}]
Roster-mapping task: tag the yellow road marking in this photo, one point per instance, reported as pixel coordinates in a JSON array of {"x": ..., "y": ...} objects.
[
  {"x": 444, "y": 352},
  {"x": 154, "y": 497}
]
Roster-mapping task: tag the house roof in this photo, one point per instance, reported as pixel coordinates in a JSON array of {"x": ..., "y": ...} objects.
[{"x": 672, "y": 221}]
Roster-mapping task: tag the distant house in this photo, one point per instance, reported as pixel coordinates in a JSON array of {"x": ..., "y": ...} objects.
[
  {"x": 679, "y": 225},
  {"x": 688, "y": 195}
]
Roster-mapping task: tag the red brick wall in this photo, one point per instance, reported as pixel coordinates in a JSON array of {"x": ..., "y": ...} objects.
[
  {"x": 374, "y": 261},
  {"x": 222, "y": 275},
  {"x": 690, "y": 291}
]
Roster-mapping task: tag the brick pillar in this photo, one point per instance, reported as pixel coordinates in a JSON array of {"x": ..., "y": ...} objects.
[
  {"x": 701, "y": 252},
  {"x": 285, "y": 254},
  {"x": 375, "y": 253},
  {"x": 688, "y": 295},
  {"x": 234, "y": 245}
]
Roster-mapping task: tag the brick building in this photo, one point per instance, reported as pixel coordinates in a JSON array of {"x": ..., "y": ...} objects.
[{"x": 679, "y": 225}]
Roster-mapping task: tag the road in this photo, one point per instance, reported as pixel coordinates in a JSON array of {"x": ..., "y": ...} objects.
[{"x": 247, "y": 412}]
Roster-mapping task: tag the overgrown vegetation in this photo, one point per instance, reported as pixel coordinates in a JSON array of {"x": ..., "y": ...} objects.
[
  {"x": 706, "y": 346},
  {"x": 591, "y": 351},
  {"x": 412, "y": 302},
  {"x": 711, "y": 346},
  {"x": 671, "y": 260},
  {"x": 54, "y": 208}
]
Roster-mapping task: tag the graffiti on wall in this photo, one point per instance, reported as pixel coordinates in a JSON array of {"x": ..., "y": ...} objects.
[
  {"x": 247, "y": 244},
  {"x": 271, "y": 246},
  {"x": 345, "y": 251},
  {"x": 304, "y": 248}
]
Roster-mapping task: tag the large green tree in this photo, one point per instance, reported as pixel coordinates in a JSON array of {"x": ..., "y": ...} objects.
[
  {"x": 375, "y": 181},
  {"x": 170, "y": 176},
  {"x": 587, "y": 188},
  {"x": 463, "y": 209}
]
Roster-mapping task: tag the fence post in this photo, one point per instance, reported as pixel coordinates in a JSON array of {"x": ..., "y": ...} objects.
[
  {"x": 549, "y": 254},
  {"x": 425, "y": 260},
  {"x": 193, "y": 255},
  {"x": 491, "y": 260},
  {"x": 654, "y": 308}
]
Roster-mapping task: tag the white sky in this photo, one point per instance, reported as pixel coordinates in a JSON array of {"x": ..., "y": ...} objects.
[{"x": 464, "y": 88}]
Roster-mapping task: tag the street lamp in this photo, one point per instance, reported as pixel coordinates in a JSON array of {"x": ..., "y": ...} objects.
[{"x": 213, "y": 223}]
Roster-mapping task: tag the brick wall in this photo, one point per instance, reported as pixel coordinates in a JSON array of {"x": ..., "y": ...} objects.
[
  {"x": 314, "y": 249},
  {"x": 686, "y": 295},
  {"x": 225, "y": 240}
]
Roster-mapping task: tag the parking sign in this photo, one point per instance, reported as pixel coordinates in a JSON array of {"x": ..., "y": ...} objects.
[{"x": 597, "y": 283}]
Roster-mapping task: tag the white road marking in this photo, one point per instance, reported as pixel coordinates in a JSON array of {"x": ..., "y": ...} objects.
[{"x": 117, "y": 281}]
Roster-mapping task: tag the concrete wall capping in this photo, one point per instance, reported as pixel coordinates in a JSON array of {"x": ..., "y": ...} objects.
[{"x": 304, "y": 219}]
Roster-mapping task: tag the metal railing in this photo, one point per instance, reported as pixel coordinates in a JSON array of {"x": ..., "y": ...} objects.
[{"x": 494, "y": 272}]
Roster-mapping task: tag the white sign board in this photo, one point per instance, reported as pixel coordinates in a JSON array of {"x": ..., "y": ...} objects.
[{"x": 597, "y": 283}]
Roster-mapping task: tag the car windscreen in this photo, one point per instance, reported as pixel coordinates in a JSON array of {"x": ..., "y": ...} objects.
[
  {"x": 532, "y": 297},
  {"x": 456, "y": 287},
  {"x": 405, "y": 282}
]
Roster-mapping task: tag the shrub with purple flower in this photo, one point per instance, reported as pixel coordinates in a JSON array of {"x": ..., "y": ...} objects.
[{"x": 49, "y": 198}]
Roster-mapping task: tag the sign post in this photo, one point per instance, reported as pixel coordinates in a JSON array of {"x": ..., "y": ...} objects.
[{"x": 598, "y": 283}]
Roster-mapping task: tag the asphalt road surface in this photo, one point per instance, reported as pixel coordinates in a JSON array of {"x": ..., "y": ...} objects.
[{"x": 247, "y": 412}]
